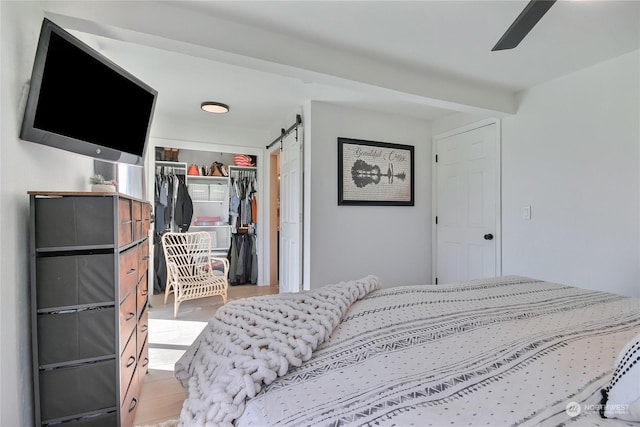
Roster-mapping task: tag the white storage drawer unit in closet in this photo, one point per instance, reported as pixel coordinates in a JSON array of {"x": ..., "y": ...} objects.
[{"x": 210, "y": 197}]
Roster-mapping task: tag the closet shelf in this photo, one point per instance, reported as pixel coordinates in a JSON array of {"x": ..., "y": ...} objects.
[
  {"x": 208, "y": 178},
  {"x": 169, "y": 163}
]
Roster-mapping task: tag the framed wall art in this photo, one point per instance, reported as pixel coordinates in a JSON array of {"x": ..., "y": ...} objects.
[{"x": 375, "y": 173}]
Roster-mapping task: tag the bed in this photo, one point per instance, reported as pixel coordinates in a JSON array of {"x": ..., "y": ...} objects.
[{"x": 503, "y": 351}]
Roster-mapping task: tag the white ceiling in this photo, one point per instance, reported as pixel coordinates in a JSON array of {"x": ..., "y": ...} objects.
[{"x": 419, "y": 58}]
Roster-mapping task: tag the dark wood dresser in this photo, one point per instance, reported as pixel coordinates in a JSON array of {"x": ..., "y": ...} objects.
[{"x": 89, "y": 255}]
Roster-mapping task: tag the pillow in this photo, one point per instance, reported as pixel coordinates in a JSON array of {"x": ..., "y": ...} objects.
[{"x": 622, "y": 397}]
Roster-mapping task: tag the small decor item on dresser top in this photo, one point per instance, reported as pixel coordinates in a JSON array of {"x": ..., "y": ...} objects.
[
  {"x": 99, "y": 185},
  {"x": 193, "y": 170}
]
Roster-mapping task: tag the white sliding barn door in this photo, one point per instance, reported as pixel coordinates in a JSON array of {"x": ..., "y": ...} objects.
[
  {"x": 467, "y": 205},
  {"x": 290, "y": 259}
]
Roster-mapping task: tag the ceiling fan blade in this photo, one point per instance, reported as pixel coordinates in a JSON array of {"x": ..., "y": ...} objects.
[{"x": 527, "y": 19}]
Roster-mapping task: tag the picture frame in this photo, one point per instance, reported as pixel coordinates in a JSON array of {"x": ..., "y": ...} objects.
[{"x": 375, "y": 173}]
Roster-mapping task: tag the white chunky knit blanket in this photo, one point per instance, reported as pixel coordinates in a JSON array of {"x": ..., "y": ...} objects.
[{"x": 251, "y": 342}]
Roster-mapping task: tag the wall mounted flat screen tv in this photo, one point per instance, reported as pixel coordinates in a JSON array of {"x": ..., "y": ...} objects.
[{"x": 81, "y": 101}]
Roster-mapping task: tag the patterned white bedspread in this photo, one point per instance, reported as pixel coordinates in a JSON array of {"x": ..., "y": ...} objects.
[
  {"x": 498, "y": 352},
  {"x": 252, "y": 341}
]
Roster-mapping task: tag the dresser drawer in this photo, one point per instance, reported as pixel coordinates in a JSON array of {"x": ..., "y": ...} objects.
[
  {"x": 146, "y": 219},
  {"x": 125, "y": 222},
  {"x": 108, "y": 419},
  {"x": 143, "y": 329},
  {"x": 74, "y": 221},
  {"x": 138, "y": 227},
  {"x": 75, "y": 334},
  {"x": 143, "y": 263},
  {"x": 146, "y": 211},
  {"x": 128, "y": 320},
  {"x": 128, "y": 271},
  {"x": 74, "y": 279},
  {"x": 77, "y": 389},
  {"x": 143, "y": 364},
  {"x": 128, "y": 362},
  {"x": 130, "y": 402},
  {"x": 143, "y": 294},
  {"x": 146, "y": 226},
  {"x": 138, "y": 230},
  {"x": 137, "y": 210}
]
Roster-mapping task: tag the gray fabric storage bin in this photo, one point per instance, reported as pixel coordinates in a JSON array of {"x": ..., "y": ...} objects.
[
  {"x": 74, "y": 279},
  {"x": 74, "y": 221},
  {"x": 78, "y": 389},
  {"x": 76, "y": 335},
  {"x": 100, "y": 420}
]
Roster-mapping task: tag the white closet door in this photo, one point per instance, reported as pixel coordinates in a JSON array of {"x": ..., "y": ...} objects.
[
  {"x": 467, "y": 202},
  {"x": 291, "y": 213}
]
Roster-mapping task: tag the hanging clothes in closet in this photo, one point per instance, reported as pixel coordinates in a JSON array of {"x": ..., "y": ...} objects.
[
  {"x": 173, "y": 205},
  {"x": 243, "y": 213},
  {"x": 173, "y": 212},
  {"x": 243, "y": 200},
  {"x": 243, "y": 260}
]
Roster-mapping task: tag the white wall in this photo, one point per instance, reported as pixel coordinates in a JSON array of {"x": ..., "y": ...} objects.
[
  {"x": 572, "y": 153},
  {"x": 458, "y": 120},
  {"x": 349, "y": 242},
  {"x": 168, "y": 128},
  {"x": 24, "y": 166}
]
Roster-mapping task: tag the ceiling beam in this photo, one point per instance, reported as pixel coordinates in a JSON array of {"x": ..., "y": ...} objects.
[{"x": 181, "y": 30}]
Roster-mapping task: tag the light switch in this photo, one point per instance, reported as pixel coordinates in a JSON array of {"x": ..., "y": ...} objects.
[{"x": 526, "y": 212}]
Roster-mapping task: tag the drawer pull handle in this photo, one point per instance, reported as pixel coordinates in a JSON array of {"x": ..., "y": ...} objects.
[
  {"x": 144, "y": 293},
  {"x": 131, "y": 361},
  {"x": 143, "y": 328},
  {"x": 130, "y": 316},
  {"x": 145, "y": 258},
  {"x": 133, "y": 404},
  {"x": 145, "y": 362},
  {"x": 133, "y": 270}
]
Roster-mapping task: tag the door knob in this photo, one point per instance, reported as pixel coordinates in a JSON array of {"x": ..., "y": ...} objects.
[{"x": 488, "y": 236}]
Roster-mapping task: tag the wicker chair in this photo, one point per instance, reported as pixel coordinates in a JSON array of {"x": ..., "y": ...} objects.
[{"x": 192, "y": 272}]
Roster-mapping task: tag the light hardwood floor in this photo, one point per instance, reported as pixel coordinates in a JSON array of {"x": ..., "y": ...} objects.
[{"x": 162, "y": 395}]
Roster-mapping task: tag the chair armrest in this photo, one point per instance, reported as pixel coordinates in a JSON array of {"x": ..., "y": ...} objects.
[{"x": 215, "y": 262}]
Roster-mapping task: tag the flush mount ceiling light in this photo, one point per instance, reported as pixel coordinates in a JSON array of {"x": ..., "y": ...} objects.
[{"x": 214, "y": 107}]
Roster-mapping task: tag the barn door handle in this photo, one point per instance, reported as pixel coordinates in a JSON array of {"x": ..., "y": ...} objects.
[{"x": 488, "y": 236}]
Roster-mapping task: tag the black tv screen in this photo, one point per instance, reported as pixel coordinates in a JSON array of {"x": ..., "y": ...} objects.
[{"x": 82, "y": 102}]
